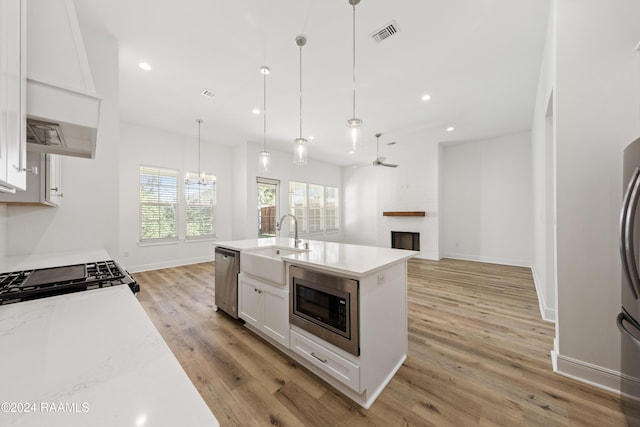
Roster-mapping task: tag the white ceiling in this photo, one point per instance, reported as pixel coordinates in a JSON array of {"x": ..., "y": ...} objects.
[{"x": 478, "y": 59}]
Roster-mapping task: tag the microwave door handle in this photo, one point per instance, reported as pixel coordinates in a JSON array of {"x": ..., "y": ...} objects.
[
  {"x": 622, "y": 317},
  {"x": 628, "y": 256}
]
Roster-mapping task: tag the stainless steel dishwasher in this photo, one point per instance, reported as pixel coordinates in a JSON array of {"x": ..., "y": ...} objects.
[{"x": 226, "y": 284}]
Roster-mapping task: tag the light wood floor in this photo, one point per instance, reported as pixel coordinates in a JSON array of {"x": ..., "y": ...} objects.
[{"x": 478, "y": 356}]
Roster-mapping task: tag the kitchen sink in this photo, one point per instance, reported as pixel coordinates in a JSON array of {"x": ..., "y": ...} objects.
[{"x": 266, "y": 263}]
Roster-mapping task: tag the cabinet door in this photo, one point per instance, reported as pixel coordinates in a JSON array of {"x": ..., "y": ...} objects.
[
  {"x": 53, "y": 180},
  {"x": 13, "y": 93},
  {"x": 276, "y": 314},
  {"x": 250, "y": 301}
]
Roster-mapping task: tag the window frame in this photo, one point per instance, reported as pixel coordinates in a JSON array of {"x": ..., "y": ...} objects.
[
  {"x": 186, "y": 205},
  {"x": 305, "y": 219},
  {"x": 276, "y": 183},
  {"x": 142, "y": 203}
]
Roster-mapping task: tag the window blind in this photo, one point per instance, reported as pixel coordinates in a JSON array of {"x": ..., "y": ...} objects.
[
  {"x": 158, "y": 203},
  {"x": 200, "y": 205}
]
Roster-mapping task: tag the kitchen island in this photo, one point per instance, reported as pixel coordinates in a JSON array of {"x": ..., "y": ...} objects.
[
  {"x": 359, "y": 371},
  {"x": 90, "y": 358}
]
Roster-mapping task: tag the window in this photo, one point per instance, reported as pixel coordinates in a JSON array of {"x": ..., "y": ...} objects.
[
  {"x": 316, "y": 207},
  {"x": 267, "y": 206},
  {"x": 331, "y": 209},
  {"x": 200, "y": 205},
  {"x": 158, "y": 203},
  {"x": 161, "y": 208},
  {"x": 298, "y": 204}
]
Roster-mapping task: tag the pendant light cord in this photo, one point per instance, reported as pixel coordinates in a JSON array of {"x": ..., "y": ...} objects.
[
  {"x": 300, "y": 91},
  {"x": 199, "y": 162},
  {"x": 264, "y": 109},
  {"x": 354, "y": 61}
]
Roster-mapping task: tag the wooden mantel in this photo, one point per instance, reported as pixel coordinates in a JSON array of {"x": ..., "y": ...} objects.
[{"x": 404, "y": 213}]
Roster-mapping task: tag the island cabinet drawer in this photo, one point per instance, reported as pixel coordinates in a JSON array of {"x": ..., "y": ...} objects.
[{"x": 325, "y": 359}]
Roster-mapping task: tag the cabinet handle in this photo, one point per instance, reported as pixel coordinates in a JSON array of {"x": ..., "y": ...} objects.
[
  {"x": 33, "y": 170},
  {"x": 319, "y": 358},
  {"x": 55, "y": 189}
]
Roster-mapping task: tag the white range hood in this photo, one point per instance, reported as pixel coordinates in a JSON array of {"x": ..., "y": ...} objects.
[{"x": 62, "y": 106}]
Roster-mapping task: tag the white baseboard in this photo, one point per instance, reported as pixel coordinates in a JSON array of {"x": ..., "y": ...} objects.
[
  {"x": 547, "y": 313},
  {"x": 589, "y": 373},
  {"x": 491, "y": 260},
  {"x": 164, "y": 264}
]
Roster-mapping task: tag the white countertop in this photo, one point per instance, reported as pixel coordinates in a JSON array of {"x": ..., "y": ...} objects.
[
  {"x": 343, "y": 258},
  {"x": 91, "y": 358}
]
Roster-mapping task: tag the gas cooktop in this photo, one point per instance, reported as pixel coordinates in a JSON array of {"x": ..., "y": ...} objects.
[{"x": 26, "y": 285}]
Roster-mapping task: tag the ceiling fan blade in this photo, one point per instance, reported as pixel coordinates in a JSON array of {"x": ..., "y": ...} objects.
[
  {"x": 389, "y": 165},
  {"x": 381, "y": 159},
  {"x": 359, "y": 165}
]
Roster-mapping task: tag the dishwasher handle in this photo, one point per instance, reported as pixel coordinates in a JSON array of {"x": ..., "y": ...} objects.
[
  {"x": 228, "y": 256},
  {"x": 226, "y": 252}
]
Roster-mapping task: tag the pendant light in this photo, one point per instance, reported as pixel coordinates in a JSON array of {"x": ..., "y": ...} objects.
[
  {"x": 264, "y": 158},
  {"x": 354, "y": 124},
  {"x": 202, "y": 180},
  {"x": 300, "y": 144}
]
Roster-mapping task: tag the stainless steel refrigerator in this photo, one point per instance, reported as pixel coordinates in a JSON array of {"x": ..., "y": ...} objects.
[{"x": 629, "y": 318}]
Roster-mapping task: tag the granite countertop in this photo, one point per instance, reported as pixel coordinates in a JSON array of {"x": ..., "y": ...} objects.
[
  {"x": 341, "y": 258},
  {"x": 91, "y": 358}
]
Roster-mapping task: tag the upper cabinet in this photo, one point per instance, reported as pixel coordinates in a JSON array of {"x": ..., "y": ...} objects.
[
  {"x": 13, "y": 155},
  {"x": 44, "y": 184}
]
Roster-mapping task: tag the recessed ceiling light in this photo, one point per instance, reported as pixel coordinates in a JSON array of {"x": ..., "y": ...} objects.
[
  {"x": 351, "y": 152},
  {"x": 450, "y": 129},
  {"x": 144, "y": 66},
  {"x": 426, "y": 97},
  {"x": 311, "y": 137},
  {"x": 255, "y": 111}
]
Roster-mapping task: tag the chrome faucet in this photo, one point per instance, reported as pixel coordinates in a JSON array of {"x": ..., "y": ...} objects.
[{"x": 296, "y": 241}]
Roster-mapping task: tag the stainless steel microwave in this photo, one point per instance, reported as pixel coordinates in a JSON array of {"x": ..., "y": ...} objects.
[{"x": 326, "y": 306}]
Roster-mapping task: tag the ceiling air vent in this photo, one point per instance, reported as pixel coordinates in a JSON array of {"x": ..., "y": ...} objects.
[
  {"x": 385, "y": 32},
  {"x": 208, "y": 93}
]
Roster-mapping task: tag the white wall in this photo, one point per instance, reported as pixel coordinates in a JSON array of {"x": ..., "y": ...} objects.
[
  {"x": 88, "y": 217},
  {"x": 153, "y": 147},
  {"x": 597, "y": 92},
  {"x": 487, "y": 200},
  {"x": 544, "y": 151},
  {"x": 283, "y": 169},
  {"x": 412, "y": 186}
]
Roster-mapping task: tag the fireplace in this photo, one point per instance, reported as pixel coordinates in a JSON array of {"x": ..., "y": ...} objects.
[{"x": 405, "y": 240}]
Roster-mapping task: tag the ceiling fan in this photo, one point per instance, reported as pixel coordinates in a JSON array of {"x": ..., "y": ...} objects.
[{"x": 379, "y": 161}]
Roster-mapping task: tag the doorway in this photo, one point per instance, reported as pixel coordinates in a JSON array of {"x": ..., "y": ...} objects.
[{"x": 268, "y": 196}]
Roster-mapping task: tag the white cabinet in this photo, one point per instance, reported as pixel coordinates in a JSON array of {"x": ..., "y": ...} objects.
[
  {"x": 43, "y": 187},
  {"x": 13, "y": 95},
  {"x": 250, "y": 300},
  {"x": 265, "y": 307},
  {"x": 328, "y": 361},
  {"x": 52, "y": 190}
]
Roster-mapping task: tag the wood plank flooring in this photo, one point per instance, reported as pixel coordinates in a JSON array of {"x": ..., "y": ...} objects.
[{"x": 478, "y": 356}]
